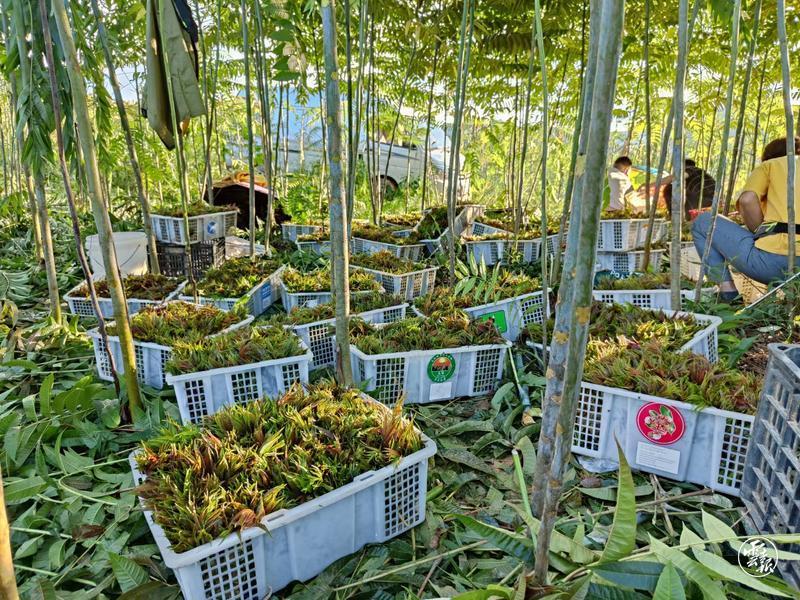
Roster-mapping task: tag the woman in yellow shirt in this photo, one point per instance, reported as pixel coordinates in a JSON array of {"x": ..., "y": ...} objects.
[{"x": 758, "y": 250}]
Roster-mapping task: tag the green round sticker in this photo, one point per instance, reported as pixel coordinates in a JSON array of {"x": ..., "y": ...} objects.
[{"x": 441, "y": 368}]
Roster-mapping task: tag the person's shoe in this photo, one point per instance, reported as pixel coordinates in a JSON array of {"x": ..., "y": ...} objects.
[{"x": 732, "y": 298}]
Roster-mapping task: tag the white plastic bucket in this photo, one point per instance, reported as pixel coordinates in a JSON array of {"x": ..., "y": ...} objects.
[{"x": 131, "y": 247}]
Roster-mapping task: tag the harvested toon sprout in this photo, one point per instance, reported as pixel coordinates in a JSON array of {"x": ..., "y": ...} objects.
[
  {"x": 140, "y": 287},
  {"x": 248, "y": 461}
]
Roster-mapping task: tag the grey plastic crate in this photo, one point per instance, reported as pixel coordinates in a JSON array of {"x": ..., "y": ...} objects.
[
  {"x": 259, "y": 298},
  {"x": 627, "y": 234},
  {"x": 298, "y": 543},
  {"x": 321, "y": 247},
  {"x": 205, "y": 255},
  {"x": 627, "y": 263},
  {"x": 510, "y": 315},
  {"x": 82, "y": 306},
  {"x": 317, "y": 336},
  {"x": 150, "y": 358},
  {"x": 419, "y": 374},
  {"x": 201, "y": 227},
  {"x": 406, "y": 285},
  {"x": 291, "y": 231},
  {"x": 407, "y": 251},
  {"x": 771, "y": 487},
  {"x": 710, "y": 451},
  {"x": 206, "y": 392},
  {"x": 494, "y": 251},
  {"x": 478, "y": 229},
  {"x": 659, "y": 299}
]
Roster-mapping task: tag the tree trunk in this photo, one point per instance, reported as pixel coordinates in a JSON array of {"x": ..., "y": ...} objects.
[
  {"x": 678, "y": 166},
  {"x": 565, "y": 294},
  {"x": 251, "y": 197},
  {"x": 339, "y": 251},
  {"x": 352, "y": 158},
  {"x": 723, "y": 150},
  {"x": 144, "y": 202},
  {"x": 426, "y": 149},
  {"x": 262, "y": 81},
  {"x": 787, "y": 109},
  {"x": 467, "y": 25},
  {"x": 754, "y": 150},
  {"x": 73, "y": 212},
  {"x": 738, "y": 142},
  {"x": 648, "y": 124},
  {"x": 99, "y": 209},
  {"x": 8, "y": 582},
  {"x": 565, "y": 369}
]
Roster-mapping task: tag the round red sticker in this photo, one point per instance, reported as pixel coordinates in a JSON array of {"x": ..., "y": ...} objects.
[{"x": 660, "y": 423}]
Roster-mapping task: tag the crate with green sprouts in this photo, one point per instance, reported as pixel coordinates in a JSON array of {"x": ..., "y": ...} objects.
[
  {"x": 235, "y": 368},
  {"x": 675, "y": 414},
  {"x": 617, "y": 235},
  {"x": 155, "y": 330},
  {"x": 206, "y": 222},
  {"x": 646, "y": 290},
  {"x": 680, "y": 331},
  {"x": 292, "y": 231},
  {"x": 313, "y": 288},
  {"x": 771, "y": 486},
  {"x": 398, "y": 241},
  {"x": 314, "y": 325},
  {"x": 316, "y": 243},
  {"x": 140, "y": 291},
  {"x": 434, "y": 229},
  {"x": 426, "y": 360},
  {"x": 398, "y": 276},
  {"x": 409, "y": 220},
  {"x": 492, "y": 248},
  {"x": 492, "y": 222},
  {"x": 253, "y": 283},
  {"x": 285, "y": 506},
  {"x": 627, "y": 263},
  {"x": 510, "y": 301}
]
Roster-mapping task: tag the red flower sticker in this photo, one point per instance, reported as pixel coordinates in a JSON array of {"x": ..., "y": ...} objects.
[{"x": 660, "y": 423}]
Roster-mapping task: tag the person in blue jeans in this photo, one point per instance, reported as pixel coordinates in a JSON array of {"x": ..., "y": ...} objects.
[{"x": 758, "y": 250}]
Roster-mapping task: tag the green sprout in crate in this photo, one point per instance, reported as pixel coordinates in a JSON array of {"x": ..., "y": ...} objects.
[
  {"x": 236, "y": 277},
  {"x": 451, "y": 330},
  {"x": 174, "y": 321},
  {"x": 140, "y": 287},
  {"x": 611, "y": 321},
  {"x": 242, "y": 346},
  {"x": 194, "y": 209},
  {"x": 301, "y": 315},
  {"x": 320, "y": 281},
  {"x": 638, "y": 281},
  {"x": 403, "y": 219},
  {"x": 248, "y": 461},
  {"x": 433, "y": 223},
  {"x": 655, "y": 369},
  {"x": 387, "y": 262},
  {"x": 384, "y": 234}
]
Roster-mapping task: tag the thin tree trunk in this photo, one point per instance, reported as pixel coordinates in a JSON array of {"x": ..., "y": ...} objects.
[
  {"x": 634, "y": 114},
  {"x": 523, "y": 154},
  {"x": 403, "y": 89},
  {"x": 787, "y": 109},
  {"x": 648, "y": 125},
  {"x": 73, "y": 212},
  {"x": 99, "y": 209},
  {"x": 754, "y": 150},
  {"x": 723, "y": 151},
  {"x": 144, "y": 202},
  {"x": 678, "y": 166},
  {"x": 278, "y": 128},
  {"x": 8, "y": 582},
  {"x": 339, "y": 251},
  {"x": 352, "y": 158},
  {"x": 251, "y": 194},
  {"x": 565, "y": 369},
  {"x": 577, "y": 136},
  {"x": 738, "y": 142},
  {"x": 262, "y": 81},
  {"x": 426, "y": 158},
  {"x": 467, "y": 27}
]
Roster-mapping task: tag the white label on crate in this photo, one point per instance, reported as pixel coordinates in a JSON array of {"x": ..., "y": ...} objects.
[
  {"x": 441, "y": 391},
  {"x": 658, "y": 457}
]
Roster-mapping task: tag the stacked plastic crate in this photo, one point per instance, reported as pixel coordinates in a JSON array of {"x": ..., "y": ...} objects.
[{"x": 620, "y": 243}]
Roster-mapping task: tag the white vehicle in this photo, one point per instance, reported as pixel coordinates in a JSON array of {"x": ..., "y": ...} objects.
[{"x": 302, "y": 149}]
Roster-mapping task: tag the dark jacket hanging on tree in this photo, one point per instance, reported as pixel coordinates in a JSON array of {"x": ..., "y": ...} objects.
[{"x": 178, "y": 31}]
